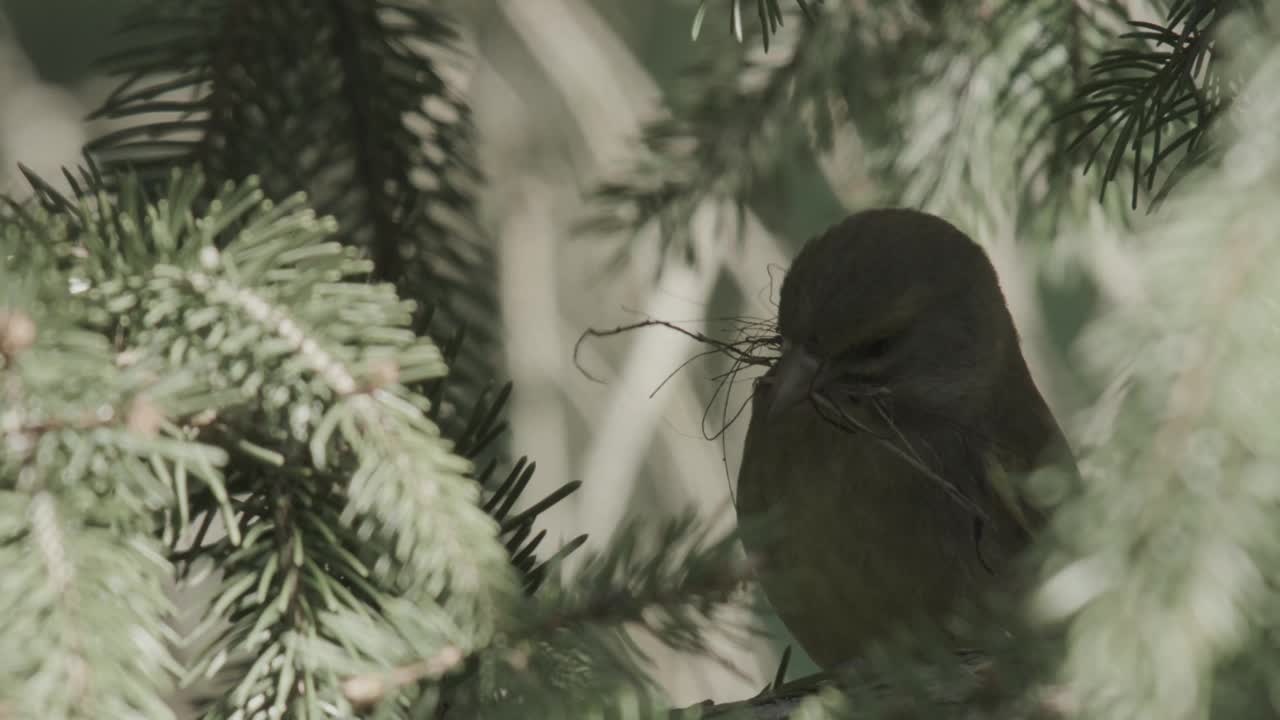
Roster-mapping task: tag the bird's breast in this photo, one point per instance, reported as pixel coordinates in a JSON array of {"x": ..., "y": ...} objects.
[{"x": 859, "y": 542}]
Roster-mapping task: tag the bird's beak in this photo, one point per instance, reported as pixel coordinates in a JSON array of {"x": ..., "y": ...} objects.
[{"x": 794, "y": 378}]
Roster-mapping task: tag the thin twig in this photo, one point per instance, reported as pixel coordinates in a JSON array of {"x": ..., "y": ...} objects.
[{"x": 370, "y": 688}]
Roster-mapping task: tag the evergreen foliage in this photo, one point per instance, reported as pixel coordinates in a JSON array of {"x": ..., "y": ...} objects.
[
  {"x": 1155, "y": 100},
  {"x": 278, "y": 431},
  {"x": 347, "y": 101},
  {"x": 341, "y": 490},
  {"x": 227, "y": 357},
  {"x": 259, "y": 384}
]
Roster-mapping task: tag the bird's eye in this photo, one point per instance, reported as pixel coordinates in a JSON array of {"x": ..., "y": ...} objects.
[
  {"x": 867, "y": 360},
  {"x": 876, "y": 348}
]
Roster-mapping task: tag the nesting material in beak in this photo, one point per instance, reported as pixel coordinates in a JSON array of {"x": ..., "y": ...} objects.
[{"x": 794, "y": 378}]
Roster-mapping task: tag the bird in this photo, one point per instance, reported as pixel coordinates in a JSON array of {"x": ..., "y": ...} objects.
[{"x": 890, "y": 440}]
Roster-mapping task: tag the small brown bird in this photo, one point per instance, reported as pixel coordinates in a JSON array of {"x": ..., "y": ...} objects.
[{"x": 889, "y": 440}]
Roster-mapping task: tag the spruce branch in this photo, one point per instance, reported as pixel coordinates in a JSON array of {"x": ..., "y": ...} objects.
[
  {"x": 734, "y": 124},
  {"x": 74, "y": 647},
  {"x": 1155, "y": 101},
  {"x": 85, "y": 474},
  {"x": 976, "y": 130},
  {"x": 738, "y": 116},
  {"x": 953, "y": 688},
  {"x": 669, "y": 584},
  {"x": 338, "y": 497},
  {"x": 354, "y": 109},
  {"x": 1187, "y": 527},
  {"x": 887, "y": 70},
  {"x": 769, "y": 11}
]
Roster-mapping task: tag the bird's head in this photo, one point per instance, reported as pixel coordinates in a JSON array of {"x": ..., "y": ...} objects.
[{"x": 894, "y": 304}]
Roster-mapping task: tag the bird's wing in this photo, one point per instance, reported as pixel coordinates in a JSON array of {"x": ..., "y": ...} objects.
[
  {"x": 996, "y": 476},
  {"x": 1026, "y": 440}
]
